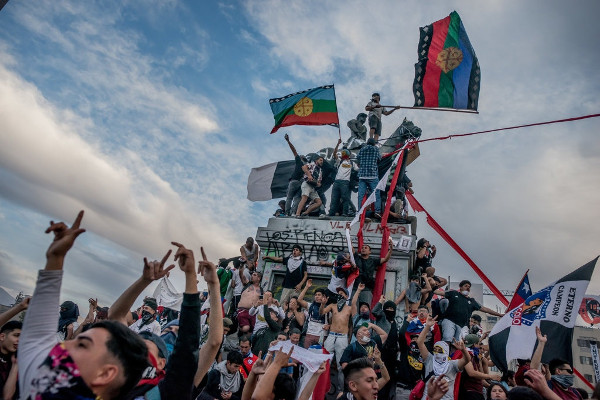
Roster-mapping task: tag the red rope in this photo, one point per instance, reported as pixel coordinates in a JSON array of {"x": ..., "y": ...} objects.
[{"x": 512, "y": 127}]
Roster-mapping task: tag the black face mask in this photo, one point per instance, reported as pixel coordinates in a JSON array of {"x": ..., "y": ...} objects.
[
  {"x": 389, "y": 315},
  {"x": 147, "y": 317},
  {"x": 341, "y": 302}
]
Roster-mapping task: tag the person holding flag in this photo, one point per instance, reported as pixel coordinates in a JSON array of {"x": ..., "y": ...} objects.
[{"x": 375, "y": 111}]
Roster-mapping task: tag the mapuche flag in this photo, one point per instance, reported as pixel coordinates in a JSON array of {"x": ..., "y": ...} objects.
[
  {"x": 447, "y": 74},
  {"x": 311, "y": 107},
  {"x": 554, "y": 309}
]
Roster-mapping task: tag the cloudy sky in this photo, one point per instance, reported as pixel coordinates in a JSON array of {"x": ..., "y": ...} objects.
[{"x": 150, "y": 114}]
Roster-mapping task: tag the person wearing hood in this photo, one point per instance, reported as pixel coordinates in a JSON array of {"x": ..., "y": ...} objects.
[
  {"x": 561, "y": 381},
  {"x": 439, "y": 362},
  {"x": 225, "y": 382},
  {"x": 384, "y": 313},
  {"x": 67, "y": 323},
  {"x": 364, "y": 315},
  {"x": 147, "y": 322}
]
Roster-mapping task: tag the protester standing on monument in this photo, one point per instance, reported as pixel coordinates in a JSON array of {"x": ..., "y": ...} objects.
[
  {"x": 293, "y": 191},
  {"x": 296, "y": 273},
  {"x": 375, "y": 111},
  {"x": 368, "y": 174}
]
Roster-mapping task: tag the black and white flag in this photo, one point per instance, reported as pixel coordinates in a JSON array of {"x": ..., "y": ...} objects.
[{"x": 554, "y": 309}]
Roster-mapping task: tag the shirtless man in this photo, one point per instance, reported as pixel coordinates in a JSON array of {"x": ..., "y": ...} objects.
[
  {"x": 338, "y": 338},
  {"x": 249, "y": 296}
]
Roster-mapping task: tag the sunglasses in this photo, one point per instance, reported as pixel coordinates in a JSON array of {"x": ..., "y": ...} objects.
[{"x": 569, "y": 370}]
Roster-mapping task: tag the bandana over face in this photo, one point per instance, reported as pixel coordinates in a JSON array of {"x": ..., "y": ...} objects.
[{"x": 58, "y": 378}]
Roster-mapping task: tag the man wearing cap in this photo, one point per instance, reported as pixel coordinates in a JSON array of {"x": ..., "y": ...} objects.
[
  {"x": 296, "y": 273},
  {"x": 375, "y": 111},
  {"x": 148, "y": 322},
  {"x": 471, "y": 383},
  {"x": 341, "y": 186}
]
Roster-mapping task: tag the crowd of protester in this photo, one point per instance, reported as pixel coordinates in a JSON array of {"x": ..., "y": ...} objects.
[{"x": 211, "y": 349}]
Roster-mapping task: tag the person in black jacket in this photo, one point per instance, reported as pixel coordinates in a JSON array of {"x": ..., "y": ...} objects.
[{"x": 175, "y": 380}]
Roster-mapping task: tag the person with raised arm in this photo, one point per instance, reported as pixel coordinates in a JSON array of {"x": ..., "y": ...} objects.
[
  {"x": 275, "y": 384},
  {"x": 14, "y": 311},
  {"x": 10, "y": 331},
  {"x": 317, "y": 324},
  {"x": 440, "y": 363},
  {"x": 338, "y": 338},
  {"x": 294, "y": 192},
  {"x": 104, "y": 362},
  {"x": 561, "y": 381},
  {"x": 174, "y": 382}
]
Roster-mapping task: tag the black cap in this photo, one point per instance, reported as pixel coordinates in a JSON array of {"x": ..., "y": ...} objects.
[{"x": 157, "y": 340}]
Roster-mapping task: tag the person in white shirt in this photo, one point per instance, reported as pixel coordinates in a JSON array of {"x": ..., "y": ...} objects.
[{"x": 147, "y": 322}]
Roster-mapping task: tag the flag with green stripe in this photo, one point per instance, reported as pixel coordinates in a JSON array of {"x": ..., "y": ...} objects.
[
  {"x": 315, "y": 106},
  {"x": 447, "y": 74}
]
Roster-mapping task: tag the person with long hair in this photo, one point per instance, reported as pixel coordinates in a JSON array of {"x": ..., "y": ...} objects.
[{"x": 496, "y": 392}]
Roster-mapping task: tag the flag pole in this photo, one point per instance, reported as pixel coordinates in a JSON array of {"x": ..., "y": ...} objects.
[{"x": 436, "y": 109}]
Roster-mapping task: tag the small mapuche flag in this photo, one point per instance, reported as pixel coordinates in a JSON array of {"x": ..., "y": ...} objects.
[
  {"x": 447, "y": 74},
  {"x": 310, "y": 107}
]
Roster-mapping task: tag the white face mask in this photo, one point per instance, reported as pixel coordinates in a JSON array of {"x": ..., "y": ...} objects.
[
  {"x": 365, "y": 338},
  {"x": 465, "y": 292},
  {"x": 440, "y": 357}
]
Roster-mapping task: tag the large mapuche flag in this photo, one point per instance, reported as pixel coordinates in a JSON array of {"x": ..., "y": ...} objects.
[
  {"x": 447, "y": 74},
  {"x": 554, "y": 309},
  {"x": 310, "y": 107}
]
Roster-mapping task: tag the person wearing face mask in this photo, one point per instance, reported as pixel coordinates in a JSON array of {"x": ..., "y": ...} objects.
[
  {"x": 365, "y": 343},
  {"x": 363, "y": 316},
  {"x": 104, "y": 362},
  {"x": 67, "y": 323},
  {"x": 147, "y": 321},
  {"x": 471, "y": 382},
  {"x": 561, "y": 382},
  {"x": 384, "y": 313},
  {"x": 439, "y": 362},
  {"x": 460, "y": 308}
]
